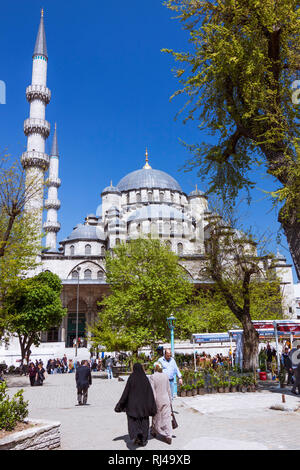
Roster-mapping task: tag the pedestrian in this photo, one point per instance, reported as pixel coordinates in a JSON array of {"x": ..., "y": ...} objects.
[
  {"x": 40, "y": 375},
  {"x": 32, "y": 370},
  {"x": 83, "y": 379},
  {"x": 138, "y": 402},
  {"x": 70, "y": 366},
  {"x": 287, "y": 364},
  {"x": 296, "y": 381},
  {"x": 162, "y": 421},
  {"x": 170, "y": 368},
  {"x": 108, "y": 364}
]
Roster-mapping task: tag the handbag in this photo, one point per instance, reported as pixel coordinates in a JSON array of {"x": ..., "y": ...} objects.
[{"x": 174, "y": 422}]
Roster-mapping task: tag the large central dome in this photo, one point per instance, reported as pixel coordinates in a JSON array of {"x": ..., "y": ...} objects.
[{"x": 148, "y": 178}]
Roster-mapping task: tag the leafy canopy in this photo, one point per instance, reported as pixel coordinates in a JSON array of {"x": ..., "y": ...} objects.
[
  {"x": 238, "y": 79},
  {"x": 147, "y": 285}
]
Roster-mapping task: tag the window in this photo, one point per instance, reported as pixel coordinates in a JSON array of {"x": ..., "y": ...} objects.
[
  {"x": 138, "y": 197},
  {"x": 138, "y": 228},
  {"x": 102, "y": 250},
  {"x": 87, "y": 274},
  {"x": 150, "y": 196},
  {"x": 161, "y": 196},
  {"x": 100, "y": 275},
  {"x": 117, "y": 241},
  {"x": 72, "y": 249},
  {"x": 74, "y": 274},
  {"x": 169, "y": 244},
  {"x": 180, "y": 248},
  {"x": 88, "y": 249}
]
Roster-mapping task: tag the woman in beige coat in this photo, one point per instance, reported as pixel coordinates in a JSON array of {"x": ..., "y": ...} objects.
[{"x": 162, "y": 421}]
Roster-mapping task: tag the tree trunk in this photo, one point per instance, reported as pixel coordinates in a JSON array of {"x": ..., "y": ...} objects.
[
  {"x": 250, "y": 344},
  {"x": 291, "y": 227}
]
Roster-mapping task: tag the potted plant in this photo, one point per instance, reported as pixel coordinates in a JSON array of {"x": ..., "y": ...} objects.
[
  {"x": 233, "y": 384},
  {"x": 182, "y": 391},
  {"x": 226, "y": 386},
  {"x": 188, "y": 390},
  {"x": 220, "y": 386},
  {"x": 194, "y": 390},
  {"x": 200, "y": 387}
]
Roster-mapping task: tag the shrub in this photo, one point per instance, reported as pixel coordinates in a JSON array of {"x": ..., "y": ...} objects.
[{"x": 12, "y": 410}]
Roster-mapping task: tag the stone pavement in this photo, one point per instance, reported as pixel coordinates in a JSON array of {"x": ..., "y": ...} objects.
[{"x": 239, "y": 421}]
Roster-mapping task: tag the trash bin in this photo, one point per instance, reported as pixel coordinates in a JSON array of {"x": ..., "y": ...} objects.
[{"x": 263, "y": 376}]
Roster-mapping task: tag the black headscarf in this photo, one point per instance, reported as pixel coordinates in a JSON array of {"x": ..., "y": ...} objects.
[{"x": 137, "y": 399}]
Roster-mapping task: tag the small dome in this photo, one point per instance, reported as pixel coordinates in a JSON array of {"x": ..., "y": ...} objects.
[
  {"x": 196, "y": 192},
  {"x": 110, "y": 189},
  {"x": 148, "y": 178},
  {"x": 86, "y": 232}
]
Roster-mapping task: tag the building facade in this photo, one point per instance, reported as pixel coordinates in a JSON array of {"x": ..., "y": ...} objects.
[{"x": 145, "y": 202}]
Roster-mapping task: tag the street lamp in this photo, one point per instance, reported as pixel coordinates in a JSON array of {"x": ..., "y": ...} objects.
[
  {"x": 76, "y": 346},
  {"x": 171, "y": 323}
]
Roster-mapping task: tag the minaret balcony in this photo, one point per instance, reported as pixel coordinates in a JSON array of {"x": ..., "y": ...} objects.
[
  {"x": 32, "y": 158},
  {"x": 36, "y": 126},
  {"x": 55, "y": 182},
  {"x": 38, "y": 92},
  {"x": 52, "y": 204},
  {"x": 51, "y": 226}
]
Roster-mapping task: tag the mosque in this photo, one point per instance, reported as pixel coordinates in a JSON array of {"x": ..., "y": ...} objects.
[{"x": 145, "y": 201}]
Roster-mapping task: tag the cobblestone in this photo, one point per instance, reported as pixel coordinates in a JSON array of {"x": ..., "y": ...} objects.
[{"x": 218, "y": 421}]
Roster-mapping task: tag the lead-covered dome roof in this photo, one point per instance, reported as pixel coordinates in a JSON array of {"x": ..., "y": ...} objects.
[
  {"x": 86, "y": 232},
  {"x": 148, "y": 178}
]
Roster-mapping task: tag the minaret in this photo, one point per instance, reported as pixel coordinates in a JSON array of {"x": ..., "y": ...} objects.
[
  {"x": 52, "y": 204},
  {"x": 36, "y": 128}
]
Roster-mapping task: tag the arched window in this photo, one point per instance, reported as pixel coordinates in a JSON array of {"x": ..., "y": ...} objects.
[
  {"x": 74, "y": 274},
  {"x": 100, "y": 275},
  {"x": 102, "y": 252},
  {"x": 72, "y": 249},
  {"x": 179, "y": 248},
  {"x": 138, "y": 197},
  {"x": 161, "y": 196},
  {"x": 172, "y": 197},
  {"x": 138, "y": 228},
  {"x": 169, "y": 244},
  {"x": 150, "y": 196},
  {"x": 87, "y": 274},
  {"x": 88, "y": 249},
  {"x": 118, "y": 241}
]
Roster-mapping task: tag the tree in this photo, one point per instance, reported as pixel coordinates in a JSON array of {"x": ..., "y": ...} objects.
[
  {"x": 238, "y": 79},
  {"x": 147, "y": 285},
  {"x": 210, "y": 313},
  {"x": 31, "y": 306},
  {"x": 20, "y": 237},
  {"x": 241, "y": 277}
]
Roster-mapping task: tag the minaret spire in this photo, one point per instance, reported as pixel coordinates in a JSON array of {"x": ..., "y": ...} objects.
[
  {"x": 35, "y": 161},
  {"x": 52, "y": 204},
  {"x": 40, "y": 44}
]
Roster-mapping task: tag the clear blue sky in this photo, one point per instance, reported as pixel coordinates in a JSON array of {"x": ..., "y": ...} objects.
[{"x": 110, "y": 87}]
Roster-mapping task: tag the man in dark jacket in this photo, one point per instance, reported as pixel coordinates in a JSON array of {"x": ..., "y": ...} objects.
[
  {"x": 83, "y": 379},
  {"x": 287, "y": 364}
]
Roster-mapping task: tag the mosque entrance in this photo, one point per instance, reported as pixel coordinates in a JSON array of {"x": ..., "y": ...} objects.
[
  {"x": 71, "y": 322},
  {"x": 71, "y": 329}
]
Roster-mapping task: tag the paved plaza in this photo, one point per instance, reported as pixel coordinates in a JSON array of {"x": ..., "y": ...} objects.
[{"x": 241, "y": 421}]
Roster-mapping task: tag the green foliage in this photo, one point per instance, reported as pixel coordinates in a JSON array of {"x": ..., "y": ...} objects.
[
  {"x": 33, "y": 305},
  {"x": 12, "y": 410},
  {"x": 237, "y": 78},
  {"x": 147, "y": 285}
]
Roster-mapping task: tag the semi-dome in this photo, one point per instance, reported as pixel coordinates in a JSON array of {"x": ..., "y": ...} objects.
[{"x": 148, "y": 178}]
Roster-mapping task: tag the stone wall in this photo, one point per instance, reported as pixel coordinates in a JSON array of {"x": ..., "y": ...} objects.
[{"x": 44, "y": 436}]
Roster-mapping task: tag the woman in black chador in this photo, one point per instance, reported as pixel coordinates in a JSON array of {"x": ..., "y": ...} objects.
[{"x": 138, "y": 402}]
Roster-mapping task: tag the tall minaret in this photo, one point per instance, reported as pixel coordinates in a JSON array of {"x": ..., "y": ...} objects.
[
  {"x": 52, "y": 204},
  {"x": 36, "y": 128}
]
